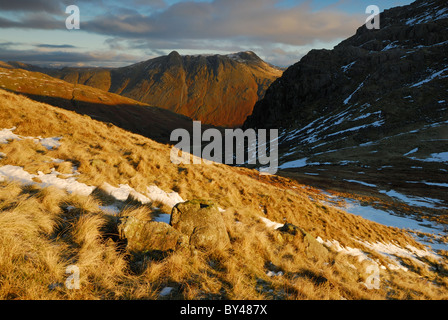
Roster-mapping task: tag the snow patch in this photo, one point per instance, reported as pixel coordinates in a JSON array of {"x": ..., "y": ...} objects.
[
  {"x": 361, "y": 182},
  {"x": 7, "y": 134},
  {"x": 388, "y": 218},
  {"x": 271, "y": 224},
  {"x": 414, "y": 200},
  {"x": 391, "y": 45},
  {"x": 411, "y": 152},
  {"x": 166, "y": 291},
  {"x": 69, "y": 184},
  {"x": 434, "y": 157},
  {"x": 294, "y": 164},
  {"x": 347, "y": 67},
  {"x": 121, "y": 193},
  {"x": 389, "y": 250},
  {"x": 157, "y": 194},
  {"x": 153, "y": 193},
  {"x": 433, "y": 76},
  {"x": 444, "y": 185},
  {"x": 336, "y": 246},
  {"x": 428, "y": 17},
  {"x": 375, "y": 124},
  {"x": 49, "y": 143},
  {"x": 438, "y": 157},
  {"x": 346, "y": 101},
  {"x": 15, "y": 173}
]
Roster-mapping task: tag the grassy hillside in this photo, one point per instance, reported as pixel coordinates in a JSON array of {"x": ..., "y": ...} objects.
[
  {"x": 44, "y": 227},
  {"x": 123, "y": 112}
]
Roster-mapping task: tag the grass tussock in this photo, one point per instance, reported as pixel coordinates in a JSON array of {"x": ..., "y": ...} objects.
[
  {"x": 40, "y": 239},
  {"x": 44, "y": 231}
]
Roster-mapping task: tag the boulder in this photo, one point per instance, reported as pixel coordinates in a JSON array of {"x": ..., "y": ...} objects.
[
  {"x": 314, "y": 249},
  {"x": 156, "y": 238},
  {"x": 202, "y": 222}
]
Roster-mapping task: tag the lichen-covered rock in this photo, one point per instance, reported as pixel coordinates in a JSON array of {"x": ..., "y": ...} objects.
[
  {"x": 150, "y": 236},
  {"x": 314, "y": 249},
  {"x": 202, "y": 222}
]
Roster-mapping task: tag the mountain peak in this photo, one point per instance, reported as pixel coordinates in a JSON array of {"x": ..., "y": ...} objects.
[
  {"x": 244, "y": 56},
  {"x": 174, "y": 54},
  {"x": 419, "y": 23},
  {"x": 176, "y": 82},
  {"x": 174, "y": 58}
]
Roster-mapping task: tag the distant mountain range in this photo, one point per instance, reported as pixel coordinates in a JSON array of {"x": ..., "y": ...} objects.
[
  {"x": 372, "y": 111},
  {"x": 219, "y": 90},
  {"x": 153, "y": 97}
]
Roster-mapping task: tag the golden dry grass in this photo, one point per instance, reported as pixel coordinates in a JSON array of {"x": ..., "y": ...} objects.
[{"x": 43, "y": 231}]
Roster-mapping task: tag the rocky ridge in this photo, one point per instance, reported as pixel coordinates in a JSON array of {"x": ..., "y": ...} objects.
[{"x": 372, "y": 110}]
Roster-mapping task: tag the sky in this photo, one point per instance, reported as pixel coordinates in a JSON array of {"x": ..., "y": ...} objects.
[{"x": 115, "y": 33}]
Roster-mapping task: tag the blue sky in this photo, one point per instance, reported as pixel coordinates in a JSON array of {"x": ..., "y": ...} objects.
[{"x": 117, "y": 33}]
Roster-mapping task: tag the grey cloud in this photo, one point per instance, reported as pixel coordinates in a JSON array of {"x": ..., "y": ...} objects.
[
  {"x": 220, "y": 25},
  {"x": 5, "y": 45},
  {"x": 34, "y": 21},
  {"x": 54, "y": 46},
  {"x": 48, "y": 6},
  {"x": 233, "y": 20},
  {"x": 155, "y": 4},
  {"x": 230, "y": 19},
  {"x": 51, "y": 6},
  {"x": 104, "y": 58}
]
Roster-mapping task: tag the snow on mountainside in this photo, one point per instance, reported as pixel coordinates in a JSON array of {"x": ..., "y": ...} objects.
[
  {"x": 373, "y": 110},
  {"x": 69, "y": 182}
]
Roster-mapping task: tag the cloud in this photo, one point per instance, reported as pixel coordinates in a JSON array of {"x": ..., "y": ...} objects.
[
  {"x": 264, "y": 21},
  {"x": 231, "y": 19},
  {"x": 51, "y": 6},
  {"x": 154, "y": 4},
  {"x": 54, "y": 46},
  {"x": 34, "y": 21},
  {"x": 281, "y": 34},
  {"x": 69, "y": 58}
]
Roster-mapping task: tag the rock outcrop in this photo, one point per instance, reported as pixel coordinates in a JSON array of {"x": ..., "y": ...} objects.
[
  {"x": 410, "y": 46},
  {"x": 373, "y": 109},
  {"x": 202, "y": 222},
  {"x": 195, "y": 224},
  {"x": 313, "y": 249},
  {"x": 150, "y": 237}
]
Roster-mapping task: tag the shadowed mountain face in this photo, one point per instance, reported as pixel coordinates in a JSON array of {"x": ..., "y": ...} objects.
[
  {"x": 374, "y": 109},
  {"x": 220, "y": 90}
]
